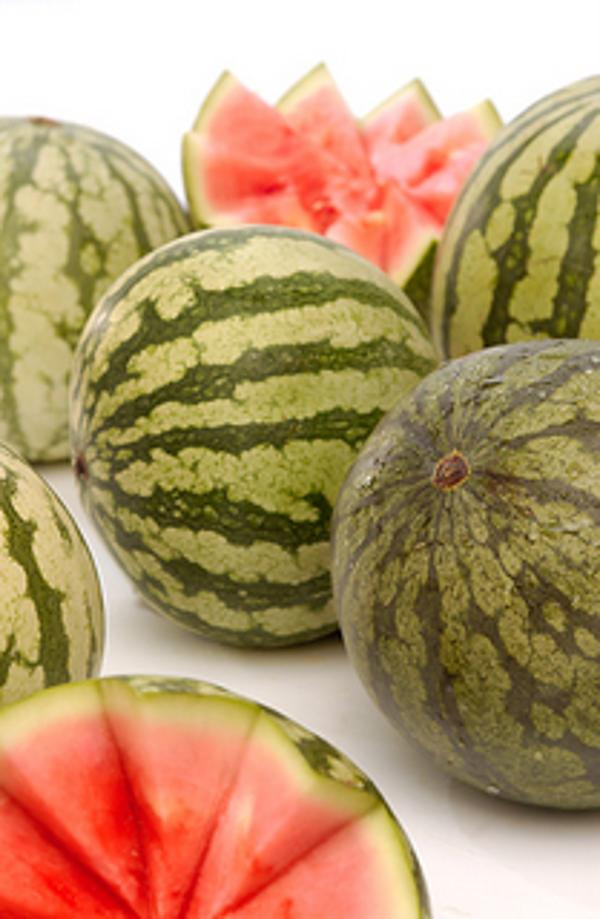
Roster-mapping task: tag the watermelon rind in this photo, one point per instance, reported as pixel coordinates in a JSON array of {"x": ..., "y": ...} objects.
[
  {"x": 130, "y": 711},
  {"x": 76, "y": 208},
  {"x": 223, "y": 386},
  {"x": 466, "y": 566},
  {"x": 518, "y": 258},
  {"x": 52, "y": 612},
  {"x": 192, "y": 148}
]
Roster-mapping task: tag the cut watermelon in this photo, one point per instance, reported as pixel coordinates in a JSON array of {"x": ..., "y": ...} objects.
[
  {"x": 383, "y": 186},
  {"x": 150, "y": 798}
]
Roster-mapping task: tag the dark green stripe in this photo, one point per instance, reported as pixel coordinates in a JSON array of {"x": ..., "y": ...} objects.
[
  {"x": 239, "y": 522},
  {"x": 349, "y": 426},
  {"x": 203, "y": 384}
]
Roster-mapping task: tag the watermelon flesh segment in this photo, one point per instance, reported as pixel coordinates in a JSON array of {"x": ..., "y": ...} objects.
[
  {"x": 383, "y": 186},
  {"x": 403, "y": 115},
  {"x": 199, "y": 805},
  {"x": 41, "y": 879},
  {"x": 73, "y": 786},
  {"x": 316, "y": 111},
  {"x": 258, "y": 181}
]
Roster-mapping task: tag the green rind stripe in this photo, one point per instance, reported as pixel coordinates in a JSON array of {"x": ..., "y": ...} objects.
[{"x": 219, "y": 381}]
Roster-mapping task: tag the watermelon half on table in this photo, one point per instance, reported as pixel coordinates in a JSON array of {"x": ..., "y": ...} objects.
[
  {"x": 383, "y": 185},
  {"x": 158, "y": 798}
]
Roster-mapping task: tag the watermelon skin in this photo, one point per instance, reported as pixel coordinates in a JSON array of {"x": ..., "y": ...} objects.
[
  {"x": 51, "y": 616},
  {"x": 222, "y": 388},
  {"x": 518, "y": 258},
  {"x": 466, "y": 565},
  {"x": 205, "y": 804},
  {"x": 76, "y": 208}
]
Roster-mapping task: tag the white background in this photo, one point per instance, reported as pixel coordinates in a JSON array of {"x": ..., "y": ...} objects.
[{"x": 139, "y": 70}]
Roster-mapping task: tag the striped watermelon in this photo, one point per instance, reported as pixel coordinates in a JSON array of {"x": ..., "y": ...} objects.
[
  {"x": 467, "y": 569},
  {"x": 520, "y": 252},
  {"x": 76, "y": 208},
  {"x": 222, "y": 388},
  {"x": 51, "y": 611},
  {"x": 203, "y": 804}
]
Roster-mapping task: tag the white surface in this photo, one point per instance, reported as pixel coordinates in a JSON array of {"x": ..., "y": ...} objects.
[{"x": 139, "y": 69}]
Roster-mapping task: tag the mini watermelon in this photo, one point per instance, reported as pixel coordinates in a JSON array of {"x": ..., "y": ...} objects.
[
  {"x": 76, "y": 208},
  {"x": 382, "y": 186},
  {"x": 51, "y": 609},
  {"x": 221, "y": 390},
  {"x": 466, "y": 568},
  {"x": 173, "y": 799}
]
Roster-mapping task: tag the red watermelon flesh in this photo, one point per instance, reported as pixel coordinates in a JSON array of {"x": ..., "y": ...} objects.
[
  {"x": 169, "y": 799},
  {"x": 382, "y": 186}
]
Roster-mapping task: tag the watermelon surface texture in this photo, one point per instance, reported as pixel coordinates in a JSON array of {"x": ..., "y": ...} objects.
[
  {"x": 76, "y": 208},
  {"x": 221, "y": 390},
  {"x": 520, "y": 253},
  {"x": 467, "y": 569},
  {"x": 382, "y": 185},
  {"x": 51, "y": 608},
  {"x": 158, "y": 798}
]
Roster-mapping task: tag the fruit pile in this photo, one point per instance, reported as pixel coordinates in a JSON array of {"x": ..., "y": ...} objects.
[{"x": 266, "y": 437}]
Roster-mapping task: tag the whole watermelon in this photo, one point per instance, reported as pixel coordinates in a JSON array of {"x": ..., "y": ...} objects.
[
  {"x": 51, "y": 609},
  {"x": 76, "y": 208},
  {"x": 466, "y": 569},
  {"x": 221, "y": 390},
  {"x": 519, "y": 257}
]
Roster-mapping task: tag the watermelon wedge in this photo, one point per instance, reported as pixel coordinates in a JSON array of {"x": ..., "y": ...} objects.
[
  {"x": 157, "y": 798},
  {"x": 382, "y": 185}
]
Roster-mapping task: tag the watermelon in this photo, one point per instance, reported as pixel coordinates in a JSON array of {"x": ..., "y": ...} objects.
[
  {"x": 382, "y": 185},
  {"x": 466, "y": 569},
  {"x": 519, "y": 257},
  {"x": 76, "y": 208},
  {"x": 51, "y": 614},
  {"x": 221, "y": 389},
  {"x": 204, "y": 804}
]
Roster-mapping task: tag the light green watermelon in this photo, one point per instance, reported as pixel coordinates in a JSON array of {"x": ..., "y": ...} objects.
[
  {"x": 466, "y": 569},
  {"x": 520, "y": 253},
  {"x": 76, "y": 208},
  {"x": 51, "y": 609},
  {"x": 161, "y": 797},
  {"x": 221, "y": 390}
]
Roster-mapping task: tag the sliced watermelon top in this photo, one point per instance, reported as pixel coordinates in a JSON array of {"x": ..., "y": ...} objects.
[
  {"x": 382, "y": 186},
  {"x": 170, "y": 799}
]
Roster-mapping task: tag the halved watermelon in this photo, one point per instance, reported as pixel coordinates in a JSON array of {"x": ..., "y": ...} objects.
[
  {"x": 163, "y": 798},
  {"x": 383, "y": 185}
]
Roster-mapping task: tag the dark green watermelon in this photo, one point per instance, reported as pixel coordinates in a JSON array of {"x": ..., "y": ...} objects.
[{"x": 466, "y": 569}]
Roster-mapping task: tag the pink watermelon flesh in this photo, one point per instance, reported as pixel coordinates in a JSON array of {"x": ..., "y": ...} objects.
[
  {"x": 383, "y": 187},
  {"x": 135, "y": 806},
  {"x": 320, "y": 116}
]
